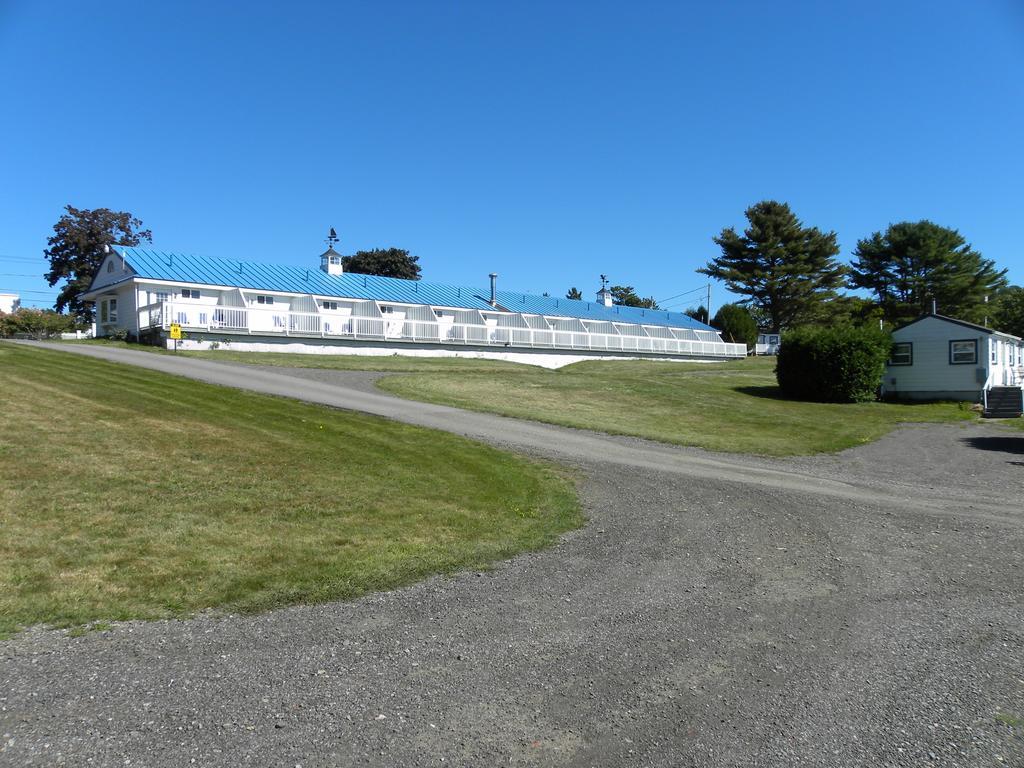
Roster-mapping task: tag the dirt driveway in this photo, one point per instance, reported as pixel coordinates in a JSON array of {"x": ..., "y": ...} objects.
[{"x": 859, "y": 609}]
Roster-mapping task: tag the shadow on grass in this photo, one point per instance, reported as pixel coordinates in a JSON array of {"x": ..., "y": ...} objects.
[
  {"x": 774, "y": 392},
  {"x": 1007, "y": 444},
  {"x": 767, "y": 392}
]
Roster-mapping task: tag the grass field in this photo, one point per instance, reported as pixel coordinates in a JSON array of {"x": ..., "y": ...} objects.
[
  {"x": 732, "y": 406},
  {"x": 383, "y": 363},
  {"x": 129, "y": 494}
]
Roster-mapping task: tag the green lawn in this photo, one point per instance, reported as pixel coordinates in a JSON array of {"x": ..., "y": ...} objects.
[
  {"x": 389, "y": 363},
  {"x": 130, "y": 494},
  {"x": 731, "y": 406}
]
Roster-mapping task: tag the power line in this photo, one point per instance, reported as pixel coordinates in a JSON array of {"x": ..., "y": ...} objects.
[
  {"x": 681, "y": 304},
  {"x": 684, "y": 293},
  {"x": 15, "y": 274}
]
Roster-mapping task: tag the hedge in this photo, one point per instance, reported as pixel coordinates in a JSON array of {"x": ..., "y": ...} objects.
[{"x": 844, "y": 364}]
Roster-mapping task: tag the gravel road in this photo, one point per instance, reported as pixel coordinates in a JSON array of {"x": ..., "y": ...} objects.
[{"x": 862, "y": 609}]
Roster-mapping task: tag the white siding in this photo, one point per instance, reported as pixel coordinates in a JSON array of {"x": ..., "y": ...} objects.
[
  {"x": 114, "y": 269},
  {"x": 931, "y": 371},
  {"x": 127, "y": 311},
  {"x": 9, "y": 302}
]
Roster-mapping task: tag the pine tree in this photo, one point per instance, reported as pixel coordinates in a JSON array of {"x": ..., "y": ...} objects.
[
  {"x": 1008, "y": 311},
  {"x": 784, "y": 269},
  {"x": 698, "y": 313},
  {"x": 912, "y": 264},
  {"x": 626, "y": 296},
  {"x": 386, "y": 262}
]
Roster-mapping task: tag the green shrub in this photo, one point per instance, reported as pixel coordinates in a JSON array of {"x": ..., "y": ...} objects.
[
  {"x": 34, "y": 323},
  {"x": 844, "y": 364}
]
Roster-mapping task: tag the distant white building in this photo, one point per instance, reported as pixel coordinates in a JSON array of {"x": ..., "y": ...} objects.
[
  {"x": 941, "y": 358},
  {"x": 322, "y": 309},
  {"x": 767, "y": 344},
  {"x": 9, "y": 302}
]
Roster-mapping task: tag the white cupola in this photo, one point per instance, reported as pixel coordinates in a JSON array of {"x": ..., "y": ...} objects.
[{"x": 330, "y": 260}]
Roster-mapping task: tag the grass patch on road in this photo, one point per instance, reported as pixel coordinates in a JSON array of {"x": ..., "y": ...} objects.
[
  {"x": 129, "y": 494},
  {"x": 1009, "y": 719},
  {"x": 734, "y": 406}
]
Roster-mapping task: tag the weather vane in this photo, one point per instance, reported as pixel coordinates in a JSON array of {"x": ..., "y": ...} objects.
[{"x": 332, "y": 238}]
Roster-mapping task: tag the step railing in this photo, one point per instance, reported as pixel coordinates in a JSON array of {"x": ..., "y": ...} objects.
[{"x": 271, "y": 322}]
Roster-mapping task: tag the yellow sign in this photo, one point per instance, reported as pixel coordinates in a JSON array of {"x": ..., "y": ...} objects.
[{"x": 175, "y": 331}]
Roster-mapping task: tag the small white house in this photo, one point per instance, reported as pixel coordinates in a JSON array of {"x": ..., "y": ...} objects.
[
  {"x": 941, "y": 358},
  {"x": 9, "y": 302},
  {"x": 767, "y": 344}
]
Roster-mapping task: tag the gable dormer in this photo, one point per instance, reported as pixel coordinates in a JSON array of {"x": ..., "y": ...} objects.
[{"x": 113, "y": 269}]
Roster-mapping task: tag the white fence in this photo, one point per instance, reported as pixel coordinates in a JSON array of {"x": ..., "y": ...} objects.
[{"x": 268, "y": 322}]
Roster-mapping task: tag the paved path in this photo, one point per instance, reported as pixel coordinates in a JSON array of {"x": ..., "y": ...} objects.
[
  {"x": 349, "y": 390},
  {"x": 864, "y": 609}
]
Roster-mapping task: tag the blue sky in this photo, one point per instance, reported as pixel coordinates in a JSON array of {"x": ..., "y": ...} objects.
[{"x": 547, "y": 141}]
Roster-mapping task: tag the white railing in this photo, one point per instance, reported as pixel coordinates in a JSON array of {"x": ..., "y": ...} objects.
[
  {"x": 989, "y": 383},
  {"x": 268, "y": 322},
  {"x": 151, "y": 315}
]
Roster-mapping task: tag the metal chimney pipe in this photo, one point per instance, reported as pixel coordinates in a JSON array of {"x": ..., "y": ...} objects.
[
  {"x": 934, "y": 308},
  {"x": 494, "y": 288}
]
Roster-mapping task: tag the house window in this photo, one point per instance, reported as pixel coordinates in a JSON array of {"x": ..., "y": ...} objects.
[
  {"x": 902, "y": 353},
  {"x": 190, "y": 293},
  {"x": 387, "y": 310},
  {"x": 163, "y": 296},
  {"x": 110, "y": 266},
  {"x": 994, "y": 350},
  {"x": 963, "y": 352},
  {"x": 330, "y": 305},
  {"x": 264, "y": 299},
  {"x": 335, "y": 259},
  {"x": 108, "y": 311}
]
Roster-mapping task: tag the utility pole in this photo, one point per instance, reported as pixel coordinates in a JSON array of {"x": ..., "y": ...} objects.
[{"x": 708, "y": 305}]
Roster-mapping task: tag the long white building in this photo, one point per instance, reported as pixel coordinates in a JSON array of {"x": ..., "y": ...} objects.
[{"x": 247, "y": 305}]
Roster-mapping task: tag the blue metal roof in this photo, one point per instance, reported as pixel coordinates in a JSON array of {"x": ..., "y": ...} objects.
[
  {"x": 205, "y": 270},
  {"x": 253, "y": 275},
  {"x": 592, "y": 310}
]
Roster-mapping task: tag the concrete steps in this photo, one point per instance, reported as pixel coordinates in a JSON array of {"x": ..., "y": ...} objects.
[{"x": 1004, "y": 403}]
